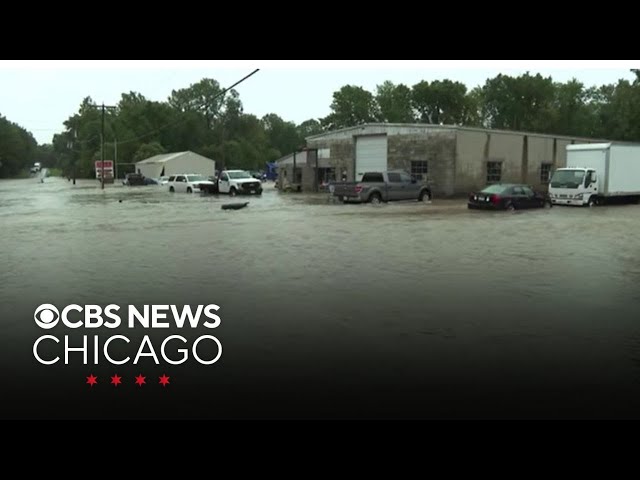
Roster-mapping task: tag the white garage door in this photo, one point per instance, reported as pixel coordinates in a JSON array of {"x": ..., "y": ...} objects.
[{"x": 371, "y": 155}]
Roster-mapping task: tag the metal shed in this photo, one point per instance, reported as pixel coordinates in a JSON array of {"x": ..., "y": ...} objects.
[{"x": 175, "y": 163}]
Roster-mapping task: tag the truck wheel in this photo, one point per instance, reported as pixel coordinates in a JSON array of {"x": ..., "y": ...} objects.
[
  {"x": 171, "y": 189},
  {"x": 593, "y": 201},
  {"x": 189, "y": 190},
  {"x": 232, "y": 192},
  {"x": 425, "y": 197},
  {"x": 375, "y": 198}
]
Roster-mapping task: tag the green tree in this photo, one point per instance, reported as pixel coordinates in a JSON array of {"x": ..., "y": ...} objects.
[
  {"x": 283, "y": 137},
  {"x": 206, "y": 98},
  {"x": 395, "y": 103},
  {"x": 148, "y": 150},
  {"x": 18, "y": 148},
  {"x": 309, "y": 127},
  {"x": 351, "y": 106},
  {"x": 441, "y": 102},
  {"x": 519, "y": 103}
]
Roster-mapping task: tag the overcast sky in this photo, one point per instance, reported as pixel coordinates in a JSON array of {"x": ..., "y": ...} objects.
[{"x": 40, "y": 95}]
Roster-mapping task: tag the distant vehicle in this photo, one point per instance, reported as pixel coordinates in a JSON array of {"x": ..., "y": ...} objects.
[
  {"x": 376, "y": 187},
  {"x": 596, "y": 173},
  {"x": 238, "y": 182},
  {"x": 36, "y": 167},
  {"x": 163, "y": 180},
  {"x": 134, "y": 179},
  {"x": 188, "y": 182},
  {"x": 508, "y": 197}
]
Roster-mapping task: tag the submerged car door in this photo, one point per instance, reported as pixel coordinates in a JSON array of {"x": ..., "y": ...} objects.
[
  {"x": 223, "y": 183},
  {"x": 518, "y": 198},
  {"x": 180, "y": 184},
  {"x": 395, "y": 186},
  {"x": 532, "y": 199},
  {"x": 412, "y": 187}
]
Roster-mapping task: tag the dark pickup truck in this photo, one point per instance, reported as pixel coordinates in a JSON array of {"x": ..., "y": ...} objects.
[{"x": 376, "y": 187}]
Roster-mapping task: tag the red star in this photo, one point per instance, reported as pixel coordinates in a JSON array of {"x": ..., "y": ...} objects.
[
  {"x": 91, "y": 380},
  {"x": 140, "y": 379},
  {"x": 116, "y": 380},
  {"x": 164, "y": 380}
]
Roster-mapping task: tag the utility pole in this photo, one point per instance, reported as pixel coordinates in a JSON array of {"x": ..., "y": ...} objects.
[
  {"x": 115, "y": 158},
  {"x": 102, "y": 149},
  {"x": 104, "y": 109}
]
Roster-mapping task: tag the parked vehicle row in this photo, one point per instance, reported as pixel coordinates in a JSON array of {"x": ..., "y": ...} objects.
[
  {"x": 594, "y": 175},
  {"x": 231, "y": 182}
]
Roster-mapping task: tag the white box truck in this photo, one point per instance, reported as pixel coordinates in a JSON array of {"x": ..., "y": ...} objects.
[{"x": 596, "y": 172}]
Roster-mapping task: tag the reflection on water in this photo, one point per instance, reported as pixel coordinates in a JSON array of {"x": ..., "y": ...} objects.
[{"x": 404, "y": 296}]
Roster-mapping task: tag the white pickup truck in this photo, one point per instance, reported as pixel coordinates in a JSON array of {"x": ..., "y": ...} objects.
[{"x": 237, "y": 182}]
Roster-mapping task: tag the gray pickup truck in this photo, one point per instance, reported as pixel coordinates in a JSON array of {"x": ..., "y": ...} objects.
[{"x": 376, "y": 187}]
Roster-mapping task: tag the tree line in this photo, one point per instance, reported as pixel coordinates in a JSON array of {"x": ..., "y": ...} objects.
[{"x": 200, "y": 119}]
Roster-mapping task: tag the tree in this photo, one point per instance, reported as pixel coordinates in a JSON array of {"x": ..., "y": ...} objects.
[
  {"x": 394, "y": 102},
  {"x": 309, "y": 127},
  {"x": 282, "y": 136},
  {"x": 441, "y": 102},
  {"x": 519, "y": 103},
  {"x": 204, "y": 97},
  {"x": 18, "y": 148},
  {"x": 148, "y": 150},
  {"x": 351, "y": 106}
]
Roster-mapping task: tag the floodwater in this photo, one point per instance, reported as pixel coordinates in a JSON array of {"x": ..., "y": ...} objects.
[{"x": 331, "y": 310}]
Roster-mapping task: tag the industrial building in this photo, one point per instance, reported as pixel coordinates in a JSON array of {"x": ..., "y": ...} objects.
[
  {"x": 453, "y": 160},
  {"x": 174, "y": 163}
]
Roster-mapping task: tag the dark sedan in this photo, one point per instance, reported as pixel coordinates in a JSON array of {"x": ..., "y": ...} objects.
[{"x": 508, "y": 197}]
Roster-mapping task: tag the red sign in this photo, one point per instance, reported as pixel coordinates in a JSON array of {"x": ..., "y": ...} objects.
[{"x": 108, "y": 165}]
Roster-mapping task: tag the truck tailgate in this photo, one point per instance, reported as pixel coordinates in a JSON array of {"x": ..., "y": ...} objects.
[{"x": 344, "y": 190}]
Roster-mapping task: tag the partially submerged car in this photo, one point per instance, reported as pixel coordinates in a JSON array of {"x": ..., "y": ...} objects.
[{"x": 508, "y": 196}]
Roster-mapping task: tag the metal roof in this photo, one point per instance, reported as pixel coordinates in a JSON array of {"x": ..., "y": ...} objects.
[
  {"x": 428, "y": 126},
  {"x": 165, "y": 157}
]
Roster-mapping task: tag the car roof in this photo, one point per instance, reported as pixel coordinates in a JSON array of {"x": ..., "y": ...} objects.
[{"x": 507, "y": 185}]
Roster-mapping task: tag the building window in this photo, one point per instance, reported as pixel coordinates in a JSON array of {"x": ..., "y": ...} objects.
[
  {"x": 494, "y": 172},
  {"x": 419, "y": 169},
  {"x": 326, "y": 175},
  {"x": 545, "y": 170}
]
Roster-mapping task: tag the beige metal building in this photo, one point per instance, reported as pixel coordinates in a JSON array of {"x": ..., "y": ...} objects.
[
  {"x": 174, "y": 163},
  {"x": 454, "y": 160}
]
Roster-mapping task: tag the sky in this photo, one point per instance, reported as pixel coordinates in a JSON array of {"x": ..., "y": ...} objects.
[{"x": 40, "y": 95}]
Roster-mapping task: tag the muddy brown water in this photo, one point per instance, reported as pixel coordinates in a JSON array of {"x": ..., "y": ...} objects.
[{"x": 332, "y": 310}]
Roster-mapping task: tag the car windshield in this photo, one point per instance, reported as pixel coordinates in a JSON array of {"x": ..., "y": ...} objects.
[
  {"x": 196, "y": 178},
  {"x": 567, "y": 178},
  {"x": 494, "y": 189},
  {"x": 237, "y": 175}
]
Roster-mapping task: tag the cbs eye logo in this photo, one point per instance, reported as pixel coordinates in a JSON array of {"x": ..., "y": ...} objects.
[{"x": 46, "y": 316}]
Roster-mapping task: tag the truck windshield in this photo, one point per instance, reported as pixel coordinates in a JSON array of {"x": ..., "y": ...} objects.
[
  {"x": 238, "y": 175},
  {"x": 196, "y": 178},
  {"x": 567, "y": 178}
]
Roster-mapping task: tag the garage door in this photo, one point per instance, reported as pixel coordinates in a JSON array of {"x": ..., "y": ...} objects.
[{"x": 371, "y": 155}]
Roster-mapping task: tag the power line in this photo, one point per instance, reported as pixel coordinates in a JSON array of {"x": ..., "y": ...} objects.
[
  {"x": 156, "y": 130},
  {"x": 172, "y": 124}
]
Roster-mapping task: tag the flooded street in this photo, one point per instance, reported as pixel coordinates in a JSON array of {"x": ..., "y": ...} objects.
[{"x": 332, "y": 310}]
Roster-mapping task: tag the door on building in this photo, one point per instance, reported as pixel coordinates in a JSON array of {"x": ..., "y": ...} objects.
[{"x": 371, "y": 154}]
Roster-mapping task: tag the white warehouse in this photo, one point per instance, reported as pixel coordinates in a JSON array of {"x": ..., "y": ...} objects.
[{"x": 174, "y": 163}]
